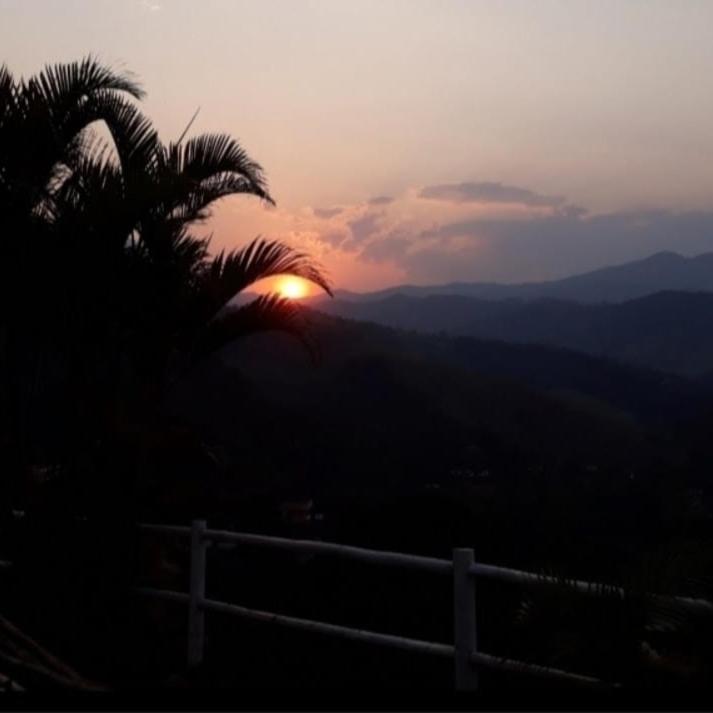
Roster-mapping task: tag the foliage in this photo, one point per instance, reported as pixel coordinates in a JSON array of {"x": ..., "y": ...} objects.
[{"x": 109, "y": 296}]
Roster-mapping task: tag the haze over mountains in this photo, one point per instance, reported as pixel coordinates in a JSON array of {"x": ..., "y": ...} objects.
[
  {"x": 656, "y": 312},
  {"x": 662, "y": 271}
]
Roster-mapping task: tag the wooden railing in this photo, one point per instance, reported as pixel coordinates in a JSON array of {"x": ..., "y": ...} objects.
[{"x": 463, "y": 569}]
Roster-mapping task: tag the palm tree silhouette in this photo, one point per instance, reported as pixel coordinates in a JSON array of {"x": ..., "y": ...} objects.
[
  {"x": 112, "y": 294},
  {"x": 44, "y": 122}
]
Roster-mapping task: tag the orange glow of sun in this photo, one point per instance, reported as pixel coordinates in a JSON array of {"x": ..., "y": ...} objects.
[{"x": 292, "y": 288}]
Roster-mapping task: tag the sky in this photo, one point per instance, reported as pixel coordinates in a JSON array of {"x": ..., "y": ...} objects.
[{"x": 426, "y": 141}]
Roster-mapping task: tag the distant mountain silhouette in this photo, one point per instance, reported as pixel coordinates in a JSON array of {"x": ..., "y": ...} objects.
[
  {"x": 669, "y": 331},
  {"x": 662, "y": 271}
]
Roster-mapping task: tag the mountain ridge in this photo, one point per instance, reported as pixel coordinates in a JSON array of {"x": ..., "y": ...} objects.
[
  {"x": 664, "y": 270},
  {"x": 443, "y": 403},
  {"x": 669, "y": 331}
]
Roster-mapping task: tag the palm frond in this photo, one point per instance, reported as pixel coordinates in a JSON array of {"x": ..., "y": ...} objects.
[
  {"x": 229, "y": 274},
  {"x": 50, "y": 112},
  {"x": 188, "y": 125},
  {"x": 7, "y": 90},
  {"x": 8, "y": 98},
  {"x": 62, "y": 85},
  {"x": 195, "y": 203},
  {"x": 73, "y": 96},
  {"x": 266, "y": 313},
  {"x": 90, "y": 198},
  {"x": 215, "y": 156},
  {"x": 134, "y": 136},
  {"x": 180, "y": 254},
  {"x": 189, "y": 249}
]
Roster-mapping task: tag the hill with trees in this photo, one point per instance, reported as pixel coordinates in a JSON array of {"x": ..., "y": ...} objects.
[
  {"x": 390, "y": 409},
  {"x": 668, "y": 331}
]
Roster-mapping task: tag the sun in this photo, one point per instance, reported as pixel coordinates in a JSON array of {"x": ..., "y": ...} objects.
[{"x": 293, "y": 288}]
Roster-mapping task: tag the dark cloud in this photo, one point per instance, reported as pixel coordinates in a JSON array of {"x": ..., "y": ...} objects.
[
  {"x": 572, "y": 211},
  {"x": 486, "y": 192},
  {"x": 391, "y": 249},
  {"x": 546, "y": 247},
  {"x": 381, "y": 200},
  {"x": 364, "y": 227},
  {"x": 326, "y": 212},
  {"x": 563, "y": 240}
]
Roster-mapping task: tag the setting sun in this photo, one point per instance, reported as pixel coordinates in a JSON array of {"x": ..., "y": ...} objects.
[{"x": 293, "y": 288}]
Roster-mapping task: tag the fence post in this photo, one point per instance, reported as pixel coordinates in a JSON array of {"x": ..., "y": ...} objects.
[
  {"x": 464, "y": 628},
  {"x": 196, "y": 614}
]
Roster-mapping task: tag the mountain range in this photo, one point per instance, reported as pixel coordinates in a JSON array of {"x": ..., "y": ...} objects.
[
  {"x": 668, "y": 331},
  {"x": 610, "y": 370},
  {"x": 656, "y": 312},
  {"x": 661, "y": 271},
  {"x": 386, "y": 408}
]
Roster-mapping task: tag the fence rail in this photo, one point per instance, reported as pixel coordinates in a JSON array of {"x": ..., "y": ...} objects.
[
  {"x": 344, "y": 632},
  {"x": 430, "y": 564},
  {"x": 463, "y": 569}
]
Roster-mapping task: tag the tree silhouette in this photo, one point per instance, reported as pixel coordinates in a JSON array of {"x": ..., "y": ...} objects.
[
  {"x": 108, "y": 295},
  {"x": 44, "y": 124}
]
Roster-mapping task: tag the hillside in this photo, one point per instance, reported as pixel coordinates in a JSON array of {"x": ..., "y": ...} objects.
[
  {"x": 669, "y": 331},
  {"x": 389, "y": 409}
]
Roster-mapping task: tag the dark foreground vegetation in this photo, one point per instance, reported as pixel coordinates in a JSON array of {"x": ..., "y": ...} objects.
[{"x": 125, "y": 399}]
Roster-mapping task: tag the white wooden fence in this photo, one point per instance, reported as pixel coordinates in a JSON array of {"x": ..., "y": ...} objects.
[{"x": 463, "y": 569}]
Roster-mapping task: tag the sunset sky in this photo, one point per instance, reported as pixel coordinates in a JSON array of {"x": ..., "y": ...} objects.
[{"x": 424, "y": 142}]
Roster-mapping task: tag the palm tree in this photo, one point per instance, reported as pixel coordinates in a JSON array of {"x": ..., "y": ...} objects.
[
  {"x": 44, "y": 123},
  {"x": 108, "y": 297},
  {"x": 118, "y": 297},
  {"x": 126, "y": 216}
]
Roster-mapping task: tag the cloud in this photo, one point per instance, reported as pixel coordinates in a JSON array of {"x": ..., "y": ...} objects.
[
  {"x": 327, "y": 213},
  {"x": 364, "y": 227},
  {"x": 553, "y": 246},
  {"x": 487, "y": 192},
  {"x": 381, "y": 200},
  {"x": 335, "y": 238},
  {"x": 412, "y": 239},
  {"x": 390, "y": 249}
]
